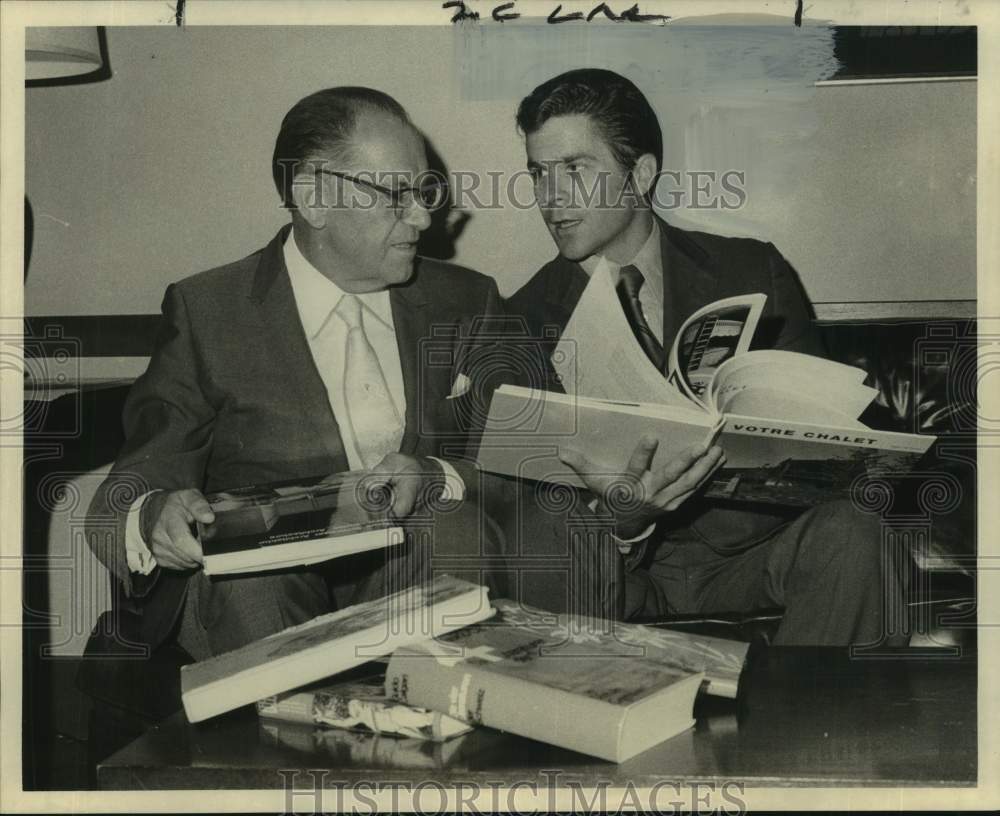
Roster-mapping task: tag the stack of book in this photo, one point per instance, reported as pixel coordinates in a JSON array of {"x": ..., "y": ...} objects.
[{"x": 456, "y": 661}]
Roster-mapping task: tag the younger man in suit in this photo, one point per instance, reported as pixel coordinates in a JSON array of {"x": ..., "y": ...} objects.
[
  {"x": 592, "y": 129},
  {"x": 311, "y": 356}
]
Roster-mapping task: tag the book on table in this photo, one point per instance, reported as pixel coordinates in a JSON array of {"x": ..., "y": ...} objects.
[
  {"x": 294, "y": 523},
  {"x": 342, "y": 748},
  {"x": 787, "y": 422},
  {"x": 607, "y": 690},
  {"x": 330, "y": 644},
  {"x": 359, "y": 704}
]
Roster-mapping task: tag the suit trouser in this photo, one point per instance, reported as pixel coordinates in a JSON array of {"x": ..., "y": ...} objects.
[
  {"x": 221, "y": 614},
  {"x": 828, "y": 569}
]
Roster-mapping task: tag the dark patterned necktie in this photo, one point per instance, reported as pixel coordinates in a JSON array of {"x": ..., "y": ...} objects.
[{"x": 630, "y": 281}]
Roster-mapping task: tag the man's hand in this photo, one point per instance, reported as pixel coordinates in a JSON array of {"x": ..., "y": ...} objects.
[
  {"x": 166, "y": 518},
  {"x": 644, "y": 495},
  {"x": 409, "y": 481}
]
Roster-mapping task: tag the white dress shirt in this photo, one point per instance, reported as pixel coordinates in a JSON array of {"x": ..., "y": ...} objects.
[
  {"x": 316, "y": 297},
  {"x": 649, "y": 262}
]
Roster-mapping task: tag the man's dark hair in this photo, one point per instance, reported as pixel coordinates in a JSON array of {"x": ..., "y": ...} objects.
[
  {"x": 322, "y": 124},
  {"x": 613, "y": 103}
]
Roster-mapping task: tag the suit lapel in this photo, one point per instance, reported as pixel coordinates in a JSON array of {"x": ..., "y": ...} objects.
[
  {"x": 689, "y": 279},
  {"x": 564, "y": 287},
  {"x": 280, "y": 322},
  {"x": 422, "y": 384}
]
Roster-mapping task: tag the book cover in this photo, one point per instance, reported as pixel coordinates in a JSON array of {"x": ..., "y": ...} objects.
[
  {"x": 565, "y": 684},
  {"x": 289, "y": 524},
  {"x": 802, "y": 464},
  {"x": 329, "y": 644},
  {"x": 360, "y": 705},
  {"x": 719, "y": 659},
  {"x": 342, "y": 748}
]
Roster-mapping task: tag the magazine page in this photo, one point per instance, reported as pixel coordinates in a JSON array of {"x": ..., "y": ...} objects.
[
  {"x": 708, "y": 338},
  {"x": 609, "y": 364}
]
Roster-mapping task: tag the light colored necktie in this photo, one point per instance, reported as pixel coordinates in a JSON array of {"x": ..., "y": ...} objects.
[{"x": 371, "y": 412}]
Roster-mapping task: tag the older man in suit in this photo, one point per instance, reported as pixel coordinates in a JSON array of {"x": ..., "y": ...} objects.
[
  {"x": 590, "y": 130},
  {"x": 332, "y": 348}
]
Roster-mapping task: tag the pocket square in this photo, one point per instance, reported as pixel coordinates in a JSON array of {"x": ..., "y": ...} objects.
[{"x": 460, "y": 386}]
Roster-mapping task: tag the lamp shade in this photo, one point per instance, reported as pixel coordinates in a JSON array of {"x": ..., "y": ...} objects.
[{"x": 53, "y": 53}]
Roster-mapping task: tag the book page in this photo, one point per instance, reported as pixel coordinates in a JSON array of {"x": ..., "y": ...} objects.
[
  {"x": 708, "y": 338},
  {"x": 822, "y": 386},
  {"x": 787, "y": 405},
  {"x": 608, "y": 364}
]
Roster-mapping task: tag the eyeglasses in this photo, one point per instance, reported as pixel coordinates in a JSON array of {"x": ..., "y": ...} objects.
[{"x": 430, "y": 196}]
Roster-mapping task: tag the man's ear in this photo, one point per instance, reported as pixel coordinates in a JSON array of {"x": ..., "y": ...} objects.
[
  {"x": 310, "y": 199},
  {"x": 644, "y": 174}
]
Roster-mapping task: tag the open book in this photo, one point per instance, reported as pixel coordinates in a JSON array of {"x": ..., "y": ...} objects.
[
  {"x": 788, "y": 422},
  {"x": 290, "y": 524}
]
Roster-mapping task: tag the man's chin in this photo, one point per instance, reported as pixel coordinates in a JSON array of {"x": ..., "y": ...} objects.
[
  {"x": 400, "y": 275},
  {"x": 573, "y": 251},
  {"x": 572, "y": 248}
]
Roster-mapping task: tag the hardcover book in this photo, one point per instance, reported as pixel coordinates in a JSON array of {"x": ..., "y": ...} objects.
[
  {"x": 787, "y": 422},
  {"x": 289, "y": 524},
  {"x": 330, "y": 644},
  {"x": 555, "y": 679}
]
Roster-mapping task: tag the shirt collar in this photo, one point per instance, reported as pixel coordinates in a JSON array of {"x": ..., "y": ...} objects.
[
  {"x": 316, "y": 296},
  {"x": 647, "y": 260}
]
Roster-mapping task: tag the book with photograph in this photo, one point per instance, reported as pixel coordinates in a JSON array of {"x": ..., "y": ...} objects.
[
  {"x": 787, "y": 422},
  {"x": 569, "y": 681},
  {"x": 342, "y": 748},
  {"x": 330, "y": 644},
  {"x": 359, "y": 705},
  {"x": 294, "y": 523}
]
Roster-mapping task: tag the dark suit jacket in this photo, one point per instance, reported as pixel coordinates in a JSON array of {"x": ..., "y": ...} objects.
[
  {"x": 232, "y": 397},
  {"x": 698, "y": 268}
]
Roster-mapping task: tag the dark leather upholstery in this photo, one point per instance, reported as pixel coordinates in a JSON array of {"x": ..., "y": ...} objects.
[{"x": 925, "y": 372}]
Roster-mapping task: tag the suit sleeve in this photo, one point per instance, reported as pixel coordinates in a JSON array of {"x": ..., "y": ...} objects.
[
  {"x": 168, "y": 425},
  {"x": 789, "y": 303}
]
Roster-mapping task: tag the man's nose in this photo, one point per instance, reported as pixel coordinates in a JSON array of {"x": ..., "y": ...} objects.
[
  {"x": 551, "y": 193},
  {"x": 417, "y": 216}
]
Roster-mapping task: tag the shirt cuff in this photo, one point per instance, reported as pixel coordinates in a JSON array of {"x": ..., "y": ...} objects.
[
  {"x": 624, "y": 544},
  {"x": 454, "y": 487},
  {"x": 139, "y": 558}
]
